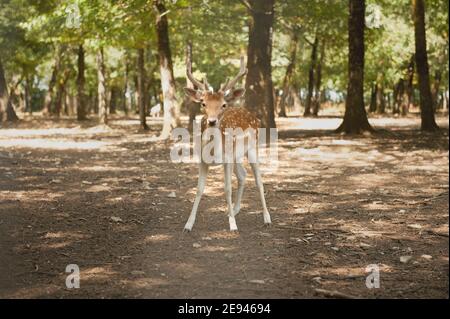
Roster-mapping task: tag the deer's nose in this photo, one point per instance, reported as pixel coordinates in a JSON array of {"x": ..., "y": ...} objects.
[{"x": 212, "y": 122}]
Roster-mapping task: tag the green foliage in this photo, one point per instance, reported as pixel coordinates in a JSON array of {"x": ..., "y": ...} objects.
[{"x": 218, "y": 31}]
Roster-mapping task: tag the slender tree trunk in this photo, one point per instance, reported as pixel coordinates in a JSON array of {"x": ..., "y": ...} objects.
[
  {"x": 296, "y": 98},
  {"x": 7, "y": 112},
  {"x": 373, "y": 98},
  {"x": 101, "y": 88},
  {"x": 141, "y": 89},
  {"x": 355, "y": 117},
  {"x": 60, "y": 88},
  {"x": 49, "y": 99},
  {"x": 318, "y": 81},
  {"x": 409, "y": 88},
  {"x": 27, "y": 94},
  {"x": 258, "y": 85},
  {"x": 171, "y": 107},
  {"x": 289, "y": 72},
  {"x": 426, "y": 100},
  {"x": 435, "y": 89},
  {"x": 127, "y": 98},
  {"x": 399, "y": 92},
  {"x": 312, "y": 68},
  {"x": 81, "y": 98},
  {"x": 192, "y": 107},
  {"x": 381, "y": 105}
]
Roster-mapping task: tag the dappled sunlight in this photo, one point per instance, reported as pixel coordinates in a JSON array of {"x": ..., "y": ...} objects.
[
  {"x": 157, "y": 238},
  {"x": 337, "y": 205},
  {"x": 51, "y": 144}
]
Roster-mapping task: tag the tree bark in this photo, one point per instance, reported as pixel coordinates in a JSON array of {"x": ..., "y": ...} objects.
[
  {"x": 373, "y": 98},
  {"x": 355, "y": 117},
  {"x": 381, "y": 104},
  {"x": 288, "y": 75},
  {"x": 141, "y": 89},
  {"x": 258, "y": 85},
  {"x": 60, "y": 88},
  {"x": 127, "y": 98},
  {"x": 318, "y": 81},
  {"x": 101, "y": 88},
  {"x": 7, "y": 112},
  {"x": 435, "y": 89},
  {"x": 170, "y": 104},
  {"x": 49, "y": 100},
  {"x": 426, "y": 100},
  {"x": 27, "y": 94},
  {"x": 81, "y": 98},
  {"x": 192, "y": 107},
  {"x": 312, "y": 68}
]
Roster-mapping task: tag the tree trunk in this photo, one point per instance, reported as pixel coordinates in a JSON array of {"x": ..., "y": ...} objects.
[
  {"x": 27, "y": 94},
  {"x": 312, "y": 68},
  {"x": 170, "y": 104},
  {"x": 127, "y": 98},
  {"x": 289, "y": 72},
  {"x": 258, "y": 85},
  {"x": 381, "y": 104},
  {"x": 192, "y": 107},
  {"x": 81, "y": 98},
  {"x": 399, "y": 92},
  {"x": 318, "y": 81},
  {"x": 7, "y": 112},
  {"x": 435, "y": 89},
  {"x": 355, "y": 117},
  {"x": 408, "y": 90},
  {"x": 373, "y": 98},
  {"x": 294, "y": 91},
  {"x": 141, "y": 89},
  {"x": 101, "y": 88},
  {"x": 426, "y": 100},
  {"x": 60, "y": 88},
  {"x": 50, "y": 95}
]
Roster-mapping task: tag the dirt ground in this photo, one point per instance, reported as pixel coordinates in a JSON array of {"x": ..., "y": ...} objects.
[{"x": 100, "y": 197}]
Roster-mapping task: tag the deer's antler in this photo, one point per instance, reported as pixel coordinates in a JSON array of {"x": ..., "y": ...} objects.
[
  {"x": 230, "y": 84},
  {"x": 202, "y": 86}
]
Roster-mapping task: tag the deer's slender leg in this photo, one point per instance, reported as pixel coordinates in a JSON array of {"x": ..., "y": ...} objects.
[
  {"x": 259, "y": 184},
  {"x": 240, "y": 174},
  {"x": 203, "y": 173},
  {"x": 228, "y": 169}
]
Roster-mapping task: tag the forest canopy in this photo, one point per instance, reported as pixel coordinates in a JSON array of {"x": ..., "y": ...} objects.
[{"x": 83, "y": 57}]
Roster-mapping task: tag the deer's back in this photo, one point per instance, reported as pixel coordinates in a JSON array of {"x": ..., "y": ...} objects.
[{"x": 235, "y": 117}]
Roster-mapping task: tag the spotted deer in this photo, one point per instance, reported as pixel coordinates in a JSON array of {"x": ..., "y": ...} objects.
[{"x": 219, "y": 113}]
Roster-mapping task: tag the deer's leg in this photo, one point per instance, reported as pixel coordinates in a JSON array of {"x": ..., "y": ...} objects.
[
  {"x": 228, "y": 169},
  {"x": 240, "y": 174},
  {"x": 259, "y": 185},
  {"x": 203, "y": 173}
]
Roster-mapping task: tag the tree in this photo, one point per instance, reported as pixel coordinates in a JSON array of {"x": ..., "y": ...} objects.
[
  {"x": 166, "y": 70},
  {"x": 289, "y": 72},
  {"x": 101, "y": 88},
  {"x": 426, "y": 100},
  {"x": 7, "y": 112},
  {"x": 81, "y": 99},
  {"x": 259, "y": 97},
  {"x": 141, "y": 89},
  {"x": 355, "y": 117}
]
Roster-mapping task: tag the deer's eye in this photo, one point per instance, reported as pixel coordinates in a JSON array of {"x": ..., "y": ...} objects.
[
  {"x": 224, "y": 105},
  {"x": 203, "y": 104}
]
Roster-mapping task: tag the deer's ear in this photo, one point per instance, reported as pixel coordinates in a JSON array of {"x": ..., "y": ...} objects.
[
  {"x": 234, "y": 95},
  {"x": 194, "y": 95}
]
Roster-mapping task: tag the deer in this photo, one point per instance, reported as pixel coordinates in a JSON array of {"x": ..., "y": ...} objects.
[{"x": 220, "y": 112}]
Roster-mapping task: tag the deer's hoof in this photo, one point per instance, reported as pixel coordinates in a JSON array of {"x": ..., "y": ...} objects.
[
  {"x": 187, "y": 230},
  {"x": 269, "y": 224}
]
